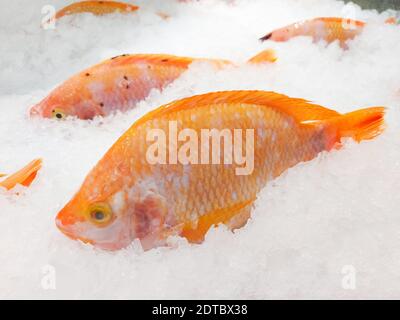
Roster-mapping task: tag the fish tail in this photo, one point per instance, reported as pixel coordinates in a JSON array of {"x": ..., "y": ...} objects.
[
  {"x": 268, "y": 55},
  {"x": 25, "y": 176},
  {"x": 364, "y": 124}
]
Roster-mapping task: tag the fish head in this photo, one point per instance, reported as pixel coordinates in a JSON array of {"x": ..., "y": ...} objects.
[
  {"x": 113, "y": 223},
  {"x": 104, "y": 222},
  {"x": 99, "y": 213},
  {"x": 286, "y": 33},
  {"x": 111, "y": 208},
  {"x": 283, "y": 34},
  {"x": 67, "y": 101}
]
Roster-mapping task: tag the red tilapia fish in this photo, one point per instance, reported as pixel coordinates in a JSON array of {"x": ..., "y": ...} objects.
[
  {"x": 24, "y": 177},
  {"x": 119, "y": 83},
  {"x": 97, "y": 8},
  {"x": 327, "y": 29},
  {"x": 157, "y": 181}
]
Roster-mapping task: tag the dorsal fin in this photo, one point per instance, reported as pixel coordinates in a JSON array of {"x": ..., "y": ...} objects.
[
  {"x": 160, "y": 59},
  {"x": 152, "y": 59},
  {"x": 300, "y": 109},
  {"x": 358, "y": 23}
]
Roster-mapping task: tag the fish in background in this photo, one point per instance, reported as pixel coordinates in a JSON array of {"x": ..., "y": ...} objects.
[
  {"x": 393, "y": 20},
  {"x": 327, "y": 29},
  {"x": 98, "y": 8},
  {"x": 24, "y": 177},
  {"x": 119, "y": 83},
  {"x": 129, "y": 196}
]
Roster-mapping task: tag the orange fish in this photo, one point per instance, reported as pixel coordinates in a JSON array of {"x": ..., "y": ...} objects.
[
  {"x": 327, "y": 29},
  {"x": 119, "y": 84},
  {"x": 24, "y": 177},
  {"x": 166, "y": 175},
  {"x": 392, "y": 20},
  {"x": 96, "y": 7}
]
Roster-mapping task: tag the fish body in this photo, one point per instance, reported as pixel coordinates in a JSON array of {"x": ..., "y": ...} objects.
[
  {"x": 128, "y": 195},
  {"x": 119, "y": 83},
  {"x": 326, "y": 29},
  {"x": 116, "y": 84},
  {"x": 96, "y": 7}
]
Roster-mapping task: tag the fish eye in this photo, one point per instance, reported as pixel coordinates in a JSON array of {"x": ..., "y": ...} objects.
[
  {"x": 100, "y": 214},
  {"x": 58, "y": 114}
]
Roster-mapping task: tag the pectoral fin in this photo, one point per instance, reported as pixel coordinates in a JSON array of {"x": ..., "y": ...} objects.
[{"x": 234, "y": 217}]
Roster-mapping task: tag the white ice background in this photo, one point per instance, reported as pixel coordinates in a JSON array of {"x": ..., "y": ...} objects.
[{"x": 313, "y": 227}]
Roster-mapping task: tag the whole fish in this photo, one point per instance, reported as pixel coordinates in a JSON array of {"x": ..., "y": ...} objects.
[
  {"x": 24, "y": 177},
  {"x": 119, "y": 83},
  {"x": 327, "y": 29},
  {"x": 96, "y": 7},
  {"x": 155, "y": 181}
]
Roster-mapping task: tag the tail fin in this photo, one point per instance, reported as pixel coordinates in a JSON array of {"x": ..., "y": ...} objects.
[
  {"x": 360, "y": 125},
  {"x": 268, "y": 55},
  {"x": 25, "y": 176}
]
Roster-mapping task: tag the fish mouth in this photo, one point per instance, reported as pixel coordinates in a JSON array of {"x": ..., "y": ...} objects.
[
  {"x": 64, "y": 230},
  {"x": 70, "y": 234},
  {"x": 34, "y": 111},
  {"x": 266, "y": 37},
  {"x": 107, "y": 246}
]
